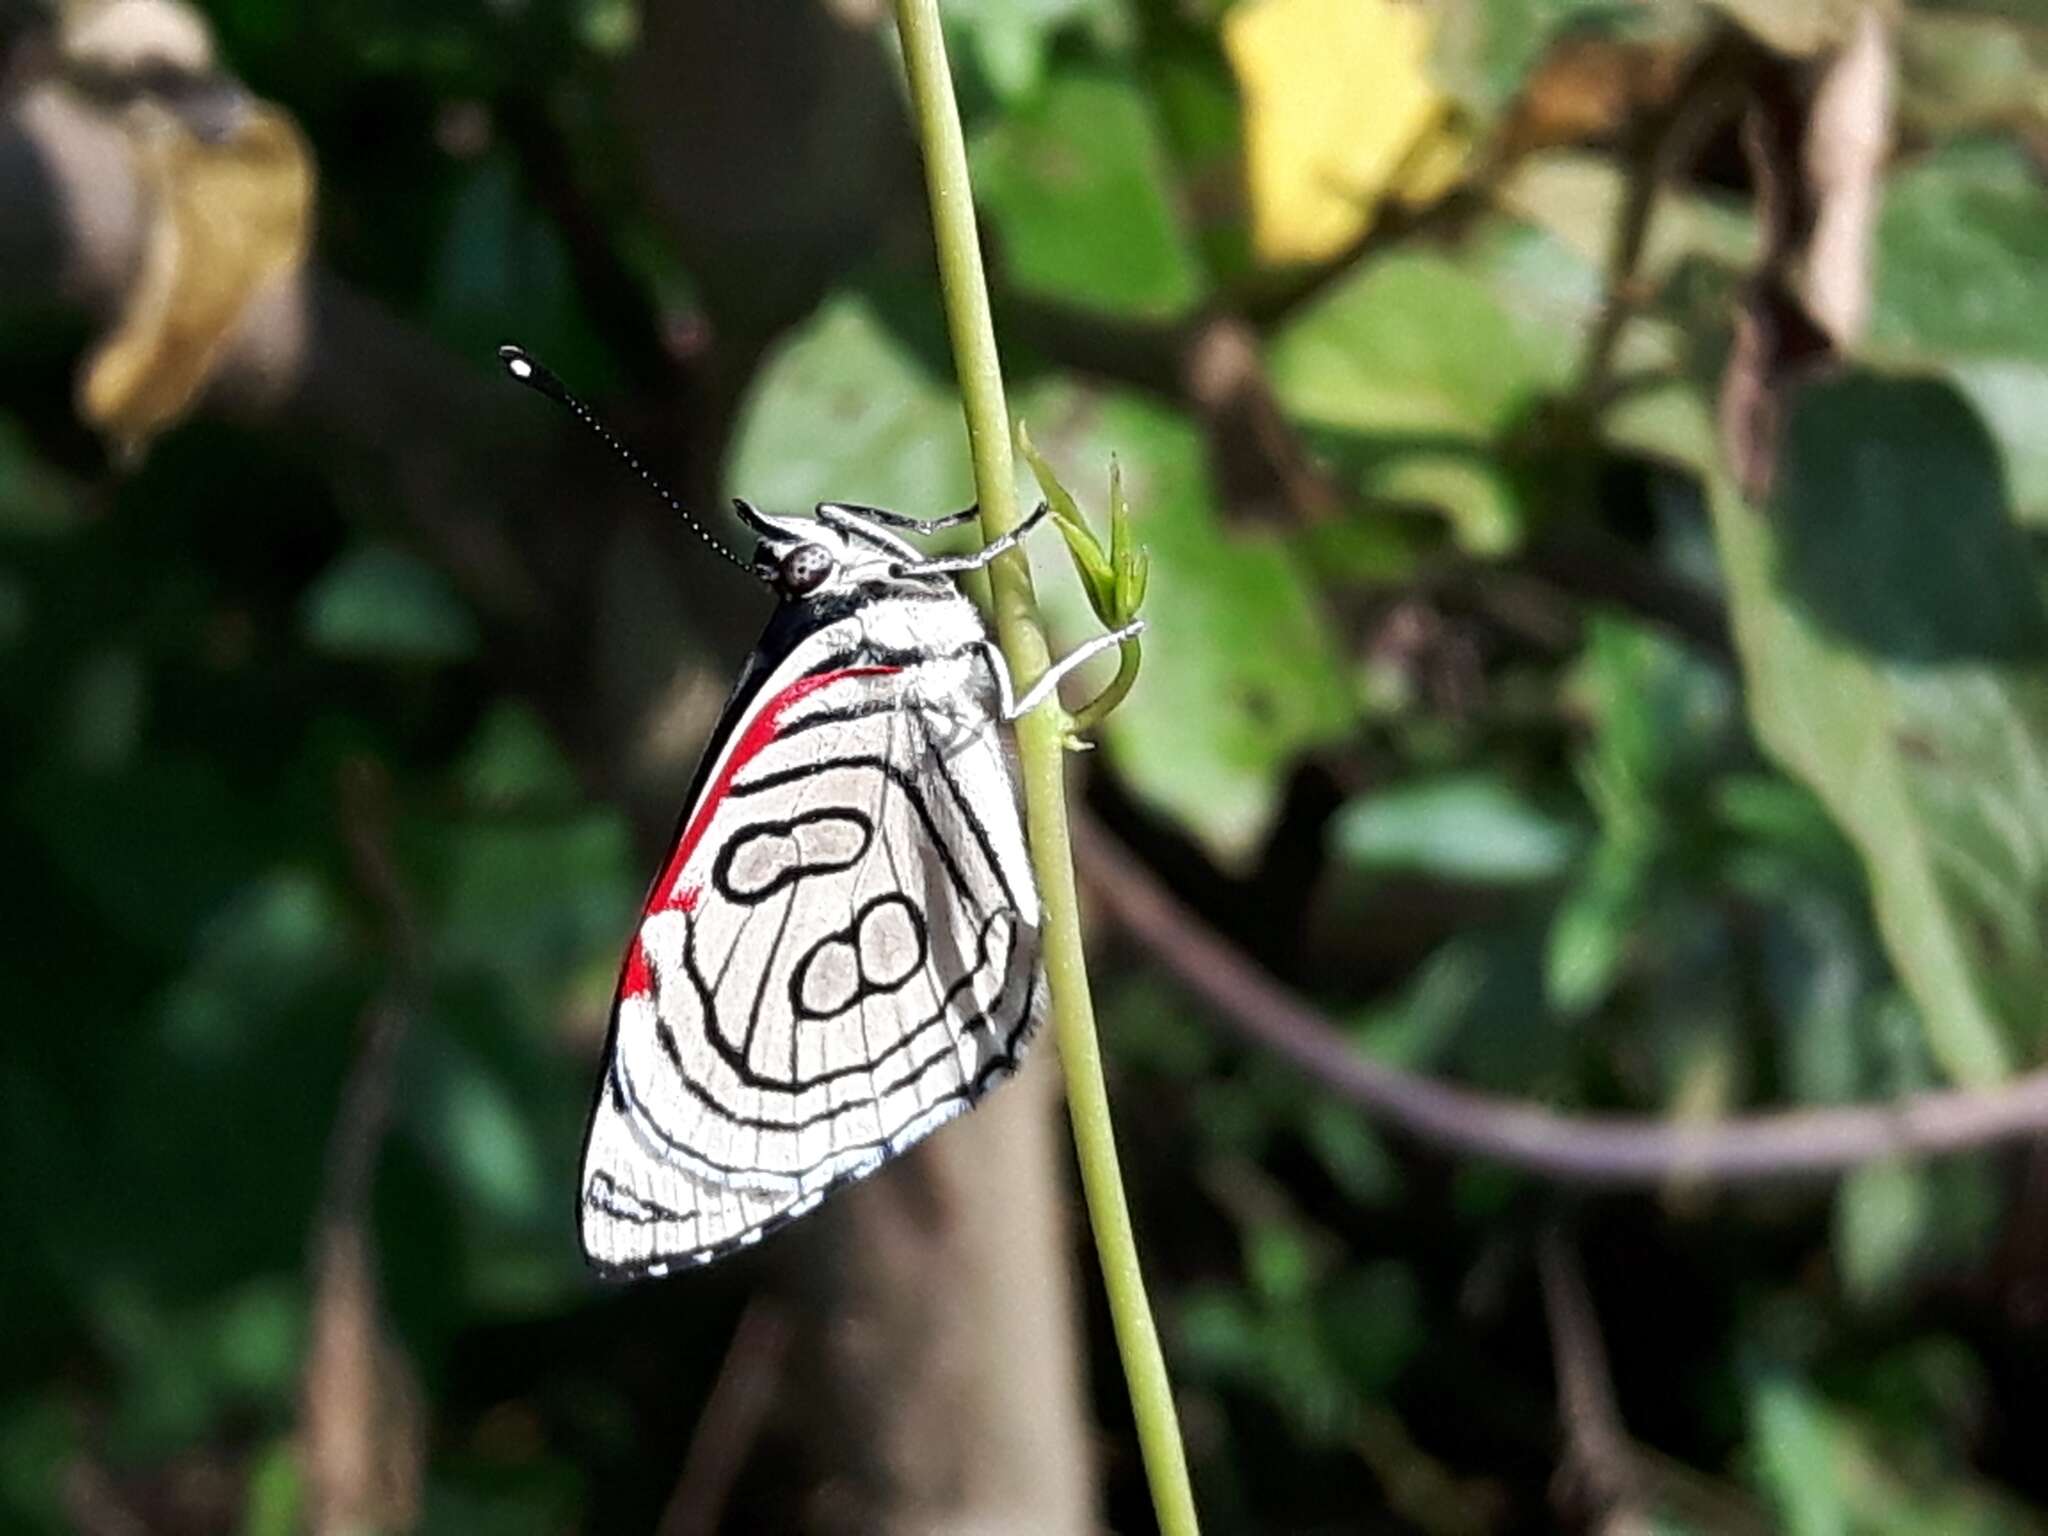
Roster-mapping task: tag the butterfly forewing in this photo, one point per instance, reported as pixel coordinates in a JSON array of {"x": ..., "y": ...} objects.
[{"x": 841, "y": 952}]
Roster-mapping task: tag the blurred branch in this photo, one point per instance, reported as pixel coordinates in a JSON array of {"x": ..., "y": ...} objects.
[
  {"x": 747, "y": 1384},
  {"x": 1611, "y": 1150},
  {"x": 1816, "y": 148},
  {"x": 1664, "y": 144},
  {"x": 1262, "y": 465},
  {"x": 1598, "y": 1485},
  {"x": 93, "y": 1503},
  {"x": 1600, "y": 569},
  {"x": 359, "y": 1431}
]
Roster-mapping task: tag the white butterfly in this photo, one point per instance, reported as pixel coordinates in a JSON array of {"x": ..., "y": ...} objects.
[{"x": 841, "y": 952}]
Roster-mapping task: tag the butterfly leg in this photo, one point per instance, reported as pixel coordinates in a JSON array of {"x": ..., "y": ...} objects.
[
  {"x": 1013, "y": 706},
  {"x": 948, "y": 565},
  {"x": 834, "y": 514}
]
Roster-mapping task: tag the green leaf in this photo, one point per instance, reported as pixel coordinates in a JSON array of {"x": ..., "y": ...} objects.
[
  {"x": 457, "y": 1107},
  {"x": 1579, "y": 197},
  {"x": 502, "y": 260},
  {"x": 1413, "y": 372},
  {"x": 846, "y": 409},
  {"x": 609, "y": 27},
  {"x": 278, "y": 939},
  {"x": 104, "y": 710},
  {"x": 512, "y": 760},
  {"x": 1590, "y": 935},
  {"x": 1354, "y": 1157},
  {"x": 1882, "y": 1215},
  {"x": 1372, "y": 1321},
  {"x": 1817, "y": 975},
  {"x": 1961, "y": 72},
  {"x": 16, "y": 610},
  {"x": 1957, "y": 242},
  {"x": 1076, "y": 185},
  {"x": 1958, "y": 254},
  {"x": 1413, "y": 343},
  {"x": 1012, "y": 39},
  {"x": 1793, "y": 1436},
  {"x": 382, "y": 604},
  {"x": 1240, "y": 674},
  {"x": 1093, "y": 566},
  {"x": 39, "y": 1433},
  {"x": 34, "y": 500},
  {"x": 527, "y": 898},
  {"x": 186, "y": 1367},
  {"x": 1467, "y": 826},
  {"x": 274, "y": 1502},
  {"x": 1892, "y": 640}
]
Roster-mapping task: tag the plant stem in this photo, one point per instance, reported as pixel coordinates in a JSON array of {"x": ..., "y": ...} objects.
[{"x": 1041, "y": 760}]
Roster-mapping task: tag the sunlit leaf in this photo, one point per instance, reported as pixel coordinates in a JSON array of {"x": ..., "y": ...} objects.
[
  {"x": 1881, "y": 1218},
  {"x": 844, "y": 410},
  {"x": 1793, "y": 1438},
  {"x": 1078, "y": 193},
  {"x": 1410, "y": 371},
  {"x": 1339, "y": 113},
  {"x": 1461, "y": 827}
]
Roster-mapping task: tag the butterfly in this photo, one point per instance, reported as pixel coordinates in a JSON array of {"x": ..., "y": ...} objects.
[{"x": 841, "y": 951}]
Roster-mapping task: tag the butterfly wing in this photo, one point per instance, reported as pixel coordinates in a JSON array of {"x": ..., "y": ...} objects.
[{"x": 841, "y": 954}]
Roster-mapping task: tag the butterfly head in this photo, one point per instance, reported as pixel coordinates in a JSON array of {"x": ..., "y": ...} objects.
[
  {"x": 802, "y": 557},
  {"x": 795, "y": 556}
]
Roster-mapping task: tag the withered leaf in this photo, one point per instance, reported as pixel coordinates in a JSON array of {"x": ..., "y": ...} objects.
[{"x": 228, "y": 214}]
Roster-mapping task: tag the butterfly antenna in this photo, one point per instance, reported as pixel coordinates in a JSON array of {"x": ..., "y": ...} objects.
[{"x": 535, "y": 375}]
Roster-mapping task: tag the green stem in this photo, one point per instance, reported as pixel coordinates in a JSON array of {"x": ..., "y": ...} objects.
[{"x": 1041, "y": 761}]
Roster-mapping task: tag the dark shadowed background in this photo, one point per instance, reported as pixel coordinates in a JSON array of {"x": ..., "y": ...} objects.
[{"x": 1569, "y": 894}]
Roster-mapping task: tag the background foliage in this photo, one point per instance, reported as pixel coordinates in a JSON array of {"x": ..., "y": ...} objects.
[{"x": 1587, "y": 661}]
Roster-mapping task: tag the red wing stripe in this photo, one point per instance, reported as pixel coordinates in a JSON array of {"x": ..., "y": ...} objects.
[{"x": 761, "y": 729}]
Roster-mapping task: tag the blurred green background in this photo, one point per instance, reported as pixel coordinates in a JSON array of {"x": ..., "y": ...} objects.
[{"x": 1592, "y": 458}]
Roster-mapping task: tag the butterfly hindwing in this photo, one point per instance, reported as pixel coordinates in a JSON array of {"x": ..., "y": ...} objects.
[{"x": 841, "y": 952}]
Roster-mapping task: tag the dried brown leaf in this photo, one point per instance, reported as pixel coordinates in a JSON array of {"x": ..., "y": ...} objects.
[{"x": 229, "y": 216}]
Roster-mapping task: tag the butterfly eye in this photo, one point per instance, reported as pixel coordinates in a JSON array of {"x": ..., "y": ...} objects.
[{"x": 805, "y": 568}]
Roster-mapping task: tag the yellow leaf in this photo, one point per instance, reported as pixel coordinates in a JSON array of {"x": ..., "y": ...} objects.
[
  {"x": 227, "y": 216},
  {"x": 1339, "y": 113}
]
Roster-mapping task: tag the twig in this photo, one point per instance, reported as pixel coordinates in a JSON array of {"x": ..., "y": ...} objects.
[
  {"x": 1600, "y": 569},
  {"x": 1667, "y": 143},
  {"x": 1611, "y": 1150},
  {"x": 1598, "y": 1482},
  {"x": 731, "y": 1421},
  {"x": 1041, "y": 757}
]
